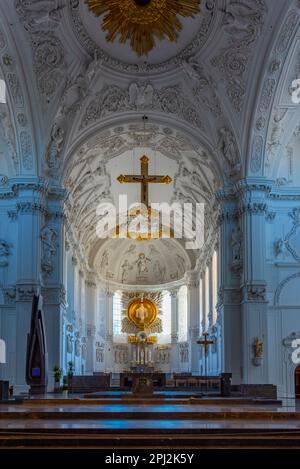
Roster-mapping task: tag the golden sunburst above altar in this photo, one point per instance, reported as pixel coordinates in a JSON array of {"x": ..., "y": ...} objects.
[{"x": 141, "y": 21}]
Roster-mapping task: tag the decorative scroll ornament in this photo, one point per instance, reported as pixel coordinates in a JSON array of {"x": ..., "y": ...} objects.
[{"x": 142, "y": 20}]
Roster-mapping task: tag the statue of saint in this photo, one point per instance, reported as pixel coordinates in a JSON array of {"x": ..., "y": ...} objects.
[
  {"x": 141, "y": 312},
  {"x": 142, "y": 264}
]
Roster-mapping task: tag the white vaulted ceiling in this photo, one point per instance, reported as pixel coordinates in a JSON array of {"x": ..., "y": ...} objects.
[
  {"x": 91, "y": 179},
  {"x": 215, "y": 101}
]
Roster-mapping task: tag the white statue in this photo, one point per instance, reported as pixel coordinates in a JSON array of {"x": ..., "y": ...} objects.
[
  {"x": 93, "y": 67},
  {"x": 141, "y": 313},
  {"x": 48, "y": 237},
  {"x": 125, "y": 270},
  {"x": 4, "y": 253},
  {"x": 236, "y": 243},
  {"x": 227, "y": 145},
  {"x": 243, "y": 18},
  {"x": 40, "y": 14},
  {"x": 55, "y": 146},
  {"x": 142, "y": 264},
  {"x": 141, "y": 96}
]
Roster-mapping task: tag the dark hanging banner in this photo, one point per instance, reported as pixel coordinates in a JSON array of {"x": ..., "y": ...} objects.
[{"x": 37, "y": 357}]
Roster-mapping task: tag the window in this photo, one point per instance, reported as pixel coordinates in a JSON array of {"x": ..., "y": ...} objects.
[
  {"x": 207, "y": 292},
  {"x": 117, "y": 313},
  {"x": 201, "y": 303},
  {"x": 2, "y": 92},
  {"x": 166, "y": 313},
  {"x": 215, "y": 285},
  {"x": 182, "y": 313}
]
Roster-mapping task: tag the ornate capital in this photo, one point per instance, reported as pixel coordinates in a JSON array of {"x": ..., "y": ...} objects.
[
  {"x": 25, "y": 292},
  {"x": 192, "y": 279},
  {"x": 174, "y": 338},
  {"x": 255, "y": 292},
  {"x": 90, "y": 330}
]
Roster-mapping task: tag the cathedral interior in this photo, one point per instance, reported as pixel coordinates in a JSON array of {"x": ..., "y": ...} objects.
[{"x": 111, "y": 111}]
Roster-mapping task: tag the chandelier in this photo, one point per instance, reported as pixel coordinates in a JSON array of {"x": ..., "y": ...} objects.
[{"x": 140, "y": 21}]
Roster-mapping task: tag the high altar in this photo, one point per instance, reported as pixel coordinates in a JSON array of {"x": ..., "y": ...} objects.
[{"x": 141, "y": 321}]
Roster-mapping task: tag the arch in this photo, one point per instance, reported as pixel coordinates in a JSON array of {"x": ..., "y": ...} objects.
[
  {"x": 18, "y": 113},
  {"x": 283, "y": 284},
  {"x": 195, "y": 136},
  {"x": 270, "y": 89}
]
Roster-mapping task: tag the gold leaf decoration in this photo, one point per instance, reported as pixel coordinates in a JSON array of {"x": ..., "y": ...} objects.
[{"x": 140, "y": 21}]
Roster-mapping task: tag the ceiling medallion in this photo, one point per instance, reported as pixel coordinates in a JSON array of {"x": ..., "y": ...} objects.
[{"x": 141, "y": 20}]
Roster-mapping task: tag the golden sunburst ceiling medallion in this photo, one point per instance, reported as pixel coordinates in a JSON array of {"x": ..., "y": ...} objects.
[{"x": 140, "y": 21}]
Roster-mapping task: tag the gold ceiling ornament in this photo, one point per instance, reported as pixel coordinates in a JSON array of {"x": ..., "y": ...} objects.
[{"x": 141, "y": 20}]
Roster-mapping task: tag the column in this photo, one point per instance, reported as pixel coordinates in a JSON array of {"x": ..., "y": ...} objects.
[
  {"x": 194, "y": 318},
  {"x": 229, "y": 310},
  {"x": 175, "y": 366},
  {"x": 29, "y": 213},
  {"x": 202, "y": 303},
  {"x": 211, "y": 298},
  {"x": 253, "y": 208},
  {"x": 91, "y": 323},
  {"x": 109, "y": 358},
  {"x": 54, "y": 292}
]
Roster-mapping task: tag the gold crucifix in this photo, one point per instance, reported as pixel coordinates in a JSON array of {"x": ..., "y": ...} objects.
[
  {"x": 144, "y": 179},
  {"x": 205, "y": 342}
]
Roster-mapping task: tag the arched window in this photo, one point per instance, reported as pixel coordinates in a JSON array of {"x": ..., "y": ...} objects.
[
  {"x": 214, "y": 286},
  {"x": 207, "y": 299},
  {"x": 2, "y": 91},
  {"x": 117, "y": 313},
  {"x": 166, "y": 313},
  {"x": 182, "y": 313}
]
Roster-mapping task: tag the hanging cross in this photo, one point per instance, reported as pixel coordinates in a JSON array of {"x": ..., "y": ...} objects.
[
  {"x": 144, "y": 179},
  {"x": 205, "y": 342}
]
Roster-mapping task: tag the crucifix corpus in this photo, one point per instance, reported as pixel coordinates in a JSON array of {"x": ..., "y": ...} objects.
[
  {"x": 205, "y": 342},
  {"x": 144, "y": 179}
]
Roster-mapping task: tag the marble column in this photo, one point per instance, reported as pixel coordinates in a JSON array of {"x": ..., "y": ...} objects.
[
  {"x": 253, "y": 209},
  {"x": 194, "y": 318},
  {"x": 203, "y": 304},
  {"x": 91, "y": 307},
  {"x": 109, "y": 352},
  {"x": 29, "y": 213},
  {"x": 229, "y": 309},
  {"x": 211, "y": 299},
  {"x": 175, "y": 365},
  {"x": 54, "y": 292}
]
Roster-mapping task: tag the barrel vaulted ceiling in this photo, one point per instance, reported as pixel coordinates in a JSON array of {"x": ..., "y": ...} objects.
[{"x": 218, "y": 100}]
